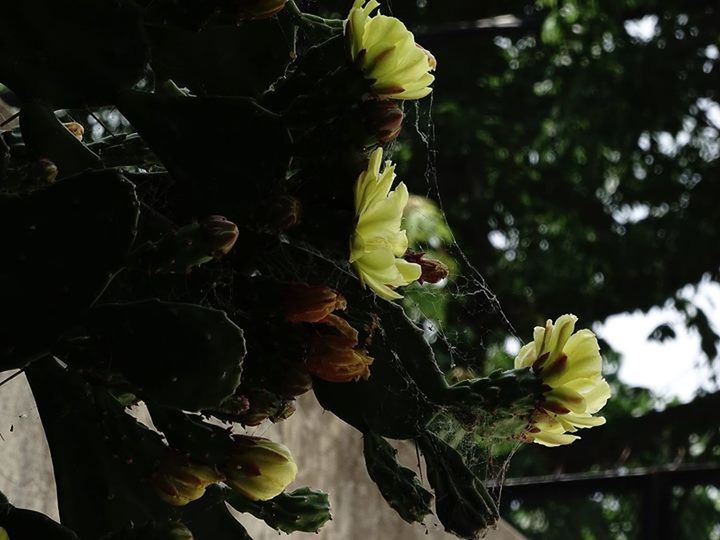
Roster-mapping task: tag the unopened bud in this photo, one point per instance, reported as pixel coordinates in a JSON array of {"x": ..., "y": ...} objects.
[
  {"x": 334, "y": 355},
  {"x": 433, "y": 270},
  {"x": 76, "y": 129},
  {"x": 179, "y": 482},
  {"x": 260, "y": 9},
  {"x": 384, "y": 119},
  {"x": 193, "y": 245},
  {"x": 311, "y": 303},
  {"x": 220, "y": 235},
  {"x": 258, "y": 468},
  {"x": 44, "y": 171}
]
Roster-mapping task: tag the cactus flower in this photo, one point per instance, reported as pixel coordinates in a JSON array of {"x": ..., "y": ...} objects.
[
  {"x": 378, "y": 244},
  {"x": 311, "y": 304},
  {"x": 386, "y": 52},
  {"x": 570, "y": 367},
  {"x": 259, "y": 469},
  {"x": 179, "y": 482},
  {"x": 334, "y": 355}
]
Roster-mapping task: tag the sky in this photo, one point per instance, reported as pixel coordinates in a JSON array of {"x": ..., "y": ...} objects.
[{"x": 675, "y": 368}]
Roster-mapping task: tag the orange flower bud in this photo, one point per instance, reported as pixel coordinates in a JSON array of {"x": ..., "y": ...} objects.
[
  {"x": 311, "y": 304},
  {"x": 76, "y": 129},
  {"x": 334, "y": 355}
]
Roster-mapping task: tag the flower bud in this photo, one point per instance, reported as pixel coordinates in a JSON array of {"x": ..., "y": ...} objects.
[
  {"x": 260, "y": 9},
  {"x": 76, "y": 129},
  {"x": 433, "y": 270},
  {"x": 311, "y": 303},
  {"x": 193, "y": 245},
  {"x": 220, "y": 235},
  {"x": 44, "y": 171},
  {"x": 334, "y": 355},
  {"x": 259, "y": 469},
  {"x": 179, "y": 482},
  {"x": 383, "y": 119}
]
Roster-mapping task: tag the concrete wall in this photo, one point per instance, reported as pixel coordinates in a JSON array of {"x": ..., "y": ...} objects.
[{"x": 328, "y": 453}]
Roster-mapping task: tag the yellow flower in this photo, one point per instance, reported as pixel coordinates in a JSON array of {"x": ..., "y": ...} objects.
[
  {"x": 378, "y": 243},
  {"x": 180, "y": 482},
  {"x": 260, "y": 469},
  {"x": 570, "y": 366},
  {"x": 3, "y": 534},
  {"x": 386, "y": 52}
]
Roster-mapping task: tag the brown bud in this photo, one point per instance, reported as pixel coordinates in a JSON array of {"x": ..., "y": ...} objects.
[
  {"x": 432, "y": 269},
  {"x": 220, "y": 235},
  {"x": 311, "y": 303},
  {"x": 76, "y": 129},
  {"x": 384, "y": 119}
]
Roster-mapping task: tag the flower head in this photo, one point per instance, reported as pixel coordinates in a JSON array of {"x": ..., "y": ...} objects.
[
  {"x": 311, "y": 304},
  {"x": 570, "y": 367},
  {"x": 334, "y": 355},
  {"x": 378, "y": 243},
  {"x": 386, "y": 52},
  {"x": 180, "y": 482},
  {"x": 259, "y": 468}
]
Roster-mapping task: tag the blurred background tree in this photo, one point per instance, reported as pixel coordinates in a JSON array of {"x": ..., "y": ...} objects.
[{"x": 576, "y": 143}]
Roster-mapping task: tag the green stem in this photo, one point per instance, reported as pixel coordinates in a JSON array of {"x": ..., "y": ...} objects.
[{"x": 311, "y": 22}]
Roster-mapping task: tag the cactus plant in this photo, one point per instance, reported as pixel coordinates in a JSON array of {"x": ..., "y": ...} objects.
[{"x": 122, "y": 283}]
